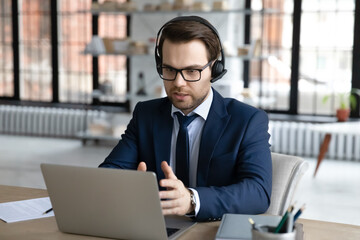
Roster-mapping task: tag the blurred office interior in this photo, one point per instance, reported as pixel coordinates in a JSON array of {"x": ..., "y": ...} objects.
[{"x": 71, "y": 73}]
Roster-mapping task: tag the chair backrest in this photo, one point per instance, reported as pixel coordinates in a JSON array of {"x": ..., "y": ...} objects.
[{"x": 287, "y": 171}]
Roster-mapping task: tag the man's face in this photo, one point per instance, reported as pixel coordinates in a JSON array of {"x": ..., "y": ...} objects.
[{"x": 191, "y": 55}]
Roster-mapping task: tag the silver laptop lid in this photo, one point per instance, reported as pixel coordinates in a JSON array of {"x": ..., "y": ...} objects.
[{"x": 105, "y": 202}]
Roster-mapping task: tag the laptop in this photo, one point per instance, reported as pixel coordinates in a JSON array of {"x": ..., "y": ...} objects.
[{"x": 112, "y": 203}]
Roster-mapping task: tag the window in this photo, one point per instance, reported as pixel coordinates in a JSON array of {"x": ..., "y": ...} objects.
[
  {"x": 6, "y": 52},
  {"x": 326, "y": 48},
  {"x": 270, "y": 77},
  {"x": 52, "y": 66},
  {"x": 35, "y": 50},
  {"x": 112, "y": 68},
  {"x": 75, "y": 68}
]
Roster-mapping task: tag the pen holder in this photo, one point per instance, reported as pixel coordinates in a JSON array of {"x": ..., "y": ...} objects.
[{"x": 268, "y": 232}]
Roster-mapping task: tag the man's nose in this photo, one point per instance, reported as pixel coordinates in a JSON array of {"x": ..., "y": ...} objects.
[{"x": 179, "y": 80}]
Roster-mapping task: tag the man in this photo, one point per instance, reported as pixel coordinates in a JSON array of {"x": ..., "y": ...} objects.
[{"x": 227, "y": 165}]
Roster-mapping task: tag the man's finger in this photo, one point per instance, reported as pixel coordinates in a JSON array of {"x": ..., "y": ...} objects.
[
  {"x": 169, "y": 204},
  {"x": 142, "y": 167},
  {"x": 169, "y": 174},
  {"x": 171, "y": 211},
  {"x": 169, "y": 183},
  {"x": 170, "y": 194}
]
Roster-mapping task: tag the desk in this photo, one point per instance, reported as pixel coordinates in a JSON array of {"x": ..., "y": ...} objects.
[
  {"x": 348, "y": 128},
  {"x": 46, "y": 228}
]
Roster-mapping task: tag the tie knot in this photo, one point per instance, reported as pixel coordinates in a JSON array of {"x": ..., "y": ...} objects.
[{"x": 184, "y": 121}]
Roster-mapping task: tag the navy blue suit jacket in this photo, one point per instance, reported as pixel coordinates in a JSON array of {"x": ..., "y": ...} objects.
[{"x": 234, "y": 172}]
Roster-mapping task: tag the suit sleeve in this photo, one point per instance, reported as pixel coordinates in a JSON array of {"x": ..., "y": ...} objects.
[
  {"x": 125, "y": 153},
  {"x": 251, "y": 190}
]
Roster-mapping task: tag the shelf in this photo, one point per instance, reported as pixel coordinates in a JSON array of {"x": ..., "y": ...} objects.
[
  {"x": 85, "y": 136},
  {"x": 243, "y": 57},
  {"x": 88, "y": 135},
  {"x": 180, "y": 12},
  {"x": 100, "y": 95},
  {"x": 249, "y": 58},
  {"x": 127, "y": 54}
]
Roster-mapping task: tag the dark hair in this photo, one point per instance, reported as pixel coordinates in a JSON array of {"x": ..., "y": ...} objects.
[{"x": 186, "y": 31}]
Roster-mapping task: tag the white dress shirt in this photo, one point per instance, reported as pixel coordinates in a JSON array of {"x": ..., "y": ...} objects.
[{"x": 195, "y": 131}]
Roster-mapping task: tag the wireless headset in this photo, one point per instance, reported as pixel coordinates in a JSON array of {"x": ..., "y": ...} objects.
[{"x": 218, "y": 68}]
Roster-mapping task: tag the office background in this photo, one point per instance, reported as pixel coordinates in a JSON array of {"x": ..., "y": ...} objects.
[{"x": 59, "y": 90}]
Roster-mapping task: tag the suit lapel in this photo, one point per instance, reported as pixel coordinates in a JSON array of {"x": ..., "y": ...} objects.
[
  {"x": 163, "y": 126},
  {"x": 214, "y": 127}
]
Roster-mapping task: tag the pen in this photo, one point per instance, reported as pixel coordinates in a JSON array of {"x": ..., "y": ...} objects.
[
  {"x": 291, "y": 208},
  {"x": 298, "y": 213},
  {"x": 289, "y": 224},
  {"x": 283, "y": 219},
  {"x": 47, "y": 211},
  {"x": 254, "y": 225}
]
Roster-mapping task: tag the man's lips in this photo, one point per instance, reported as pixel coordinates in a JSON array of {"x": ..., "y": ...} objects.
[{"x": 180, "y": 96}]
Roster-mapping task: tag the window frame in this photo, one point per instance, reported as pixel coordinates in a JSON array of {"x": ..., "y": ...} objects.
[{"x": 55, "y": 101}]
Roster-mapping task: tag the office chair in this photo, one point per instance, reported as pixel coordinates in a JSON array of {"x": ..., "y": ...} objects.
[{"x": 287, "y": 171}]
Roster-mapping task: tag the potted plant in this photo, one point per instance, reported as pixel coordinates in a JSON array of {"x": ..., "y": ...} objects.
[{"x": 347, "y": 101}]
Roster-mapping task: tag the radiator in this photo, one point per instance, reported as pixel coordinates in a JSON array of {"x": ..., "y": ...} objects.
[
  {"x": 296, "y": 138},
  {"x": 42, "y": 121}
]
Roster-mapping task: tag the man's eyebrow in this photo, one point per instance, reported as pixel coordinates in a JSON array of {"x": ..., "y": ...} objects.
[{"x": 194, "y": 66}]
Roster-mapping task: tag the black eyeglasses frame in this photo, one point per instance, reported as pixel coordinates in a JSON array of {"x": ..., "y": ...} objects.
[{"x": 182, "y": 75}]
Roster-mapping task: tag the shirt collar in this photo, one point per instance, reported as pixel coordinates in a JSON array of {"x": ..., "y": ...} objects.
[{"x": 201, "y": 110}]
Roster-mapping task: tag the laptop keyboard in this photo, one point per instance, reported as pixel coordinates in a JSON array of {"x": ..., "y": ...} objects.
[{"x": 171, "y": 231}]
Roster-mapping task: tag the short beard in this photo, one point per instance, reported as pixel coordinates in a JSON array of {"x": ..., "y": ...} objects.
[{"x": 192, "y": 106}]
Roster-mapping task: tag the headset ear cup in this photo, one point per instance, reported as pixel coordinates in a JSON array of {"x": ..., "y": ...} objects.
[
  {"x": 217, "y": 69},
  {"x": 159, "y": 68},
  {"x": 158, "y": 60}
]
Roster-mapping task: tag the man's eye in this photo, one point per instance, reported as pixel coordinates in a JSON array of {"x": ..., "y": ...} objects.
[
  {"x": 191, "y": 71},
  {"x": 169, "y": 70}
]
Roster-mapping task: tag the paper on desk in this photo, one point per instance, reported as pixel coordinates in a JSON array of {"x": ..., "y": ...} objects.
[{"x": 25, "y": 210}]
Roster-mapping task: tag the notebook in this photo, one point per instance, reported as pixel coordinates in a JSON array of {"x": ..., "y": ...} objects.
[
  {"x": 237, "y": 226},
  {"x": 109, "y": 203}
]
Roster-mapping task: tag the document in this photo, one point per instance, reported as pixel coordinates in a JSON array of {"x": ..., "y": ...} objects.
[{"x": 25, "y": 210}]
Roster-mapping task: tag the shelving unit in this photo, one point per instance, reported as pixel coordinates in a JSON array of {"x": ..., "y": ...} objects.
[
  {"x": 148, "y": 60},
  {"x": 137, "y": 13}
]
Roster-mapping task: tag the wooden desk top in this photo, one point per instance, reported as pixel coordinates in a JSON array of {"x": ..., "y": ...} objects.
[{"x": 46, "y": 228}]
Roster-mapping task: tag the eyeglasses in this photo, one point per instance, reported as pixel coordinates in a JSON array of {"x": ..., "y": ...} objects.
[{"x": 189, "y": 75}]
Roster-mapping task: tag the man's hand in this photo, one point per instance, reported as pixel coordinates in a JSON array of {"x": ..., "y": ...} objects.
[
  {"x": 177, "y": 197},
  {"x": 142, "y": 167}
]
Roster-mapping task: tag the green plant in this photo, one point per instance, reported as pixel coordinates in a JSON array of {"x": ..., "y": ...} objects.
[{"x": 346, "y": 100}]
